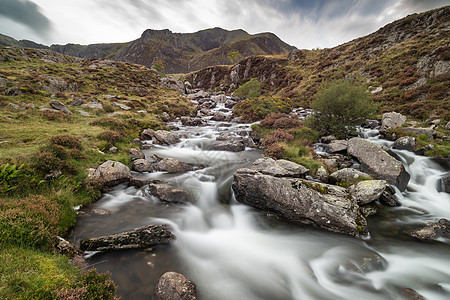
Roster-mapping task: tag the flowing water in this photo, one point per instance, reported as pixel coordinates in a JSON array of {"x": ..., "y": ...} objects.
[{"x": 232, "y": 251}]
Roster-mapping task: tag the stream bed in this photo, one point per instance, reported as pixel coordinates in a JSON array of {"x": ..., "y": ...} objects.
[{"x": 232, "y": 251}]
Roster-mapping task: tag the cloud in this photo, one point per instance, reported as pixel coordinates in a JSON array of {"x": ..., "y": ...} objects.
[{"x": 26, "y": 13}]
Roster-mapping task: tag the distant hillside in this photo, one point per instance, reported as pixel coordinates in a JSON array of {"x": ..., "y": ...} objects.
[
  {"x": 179, "y": 52},
  {"x": 405, "y": 64}
]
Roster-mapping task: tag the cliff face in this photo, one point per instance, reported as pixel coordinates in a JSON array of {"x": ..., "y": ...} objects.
[{"x": 405, "y": 65}]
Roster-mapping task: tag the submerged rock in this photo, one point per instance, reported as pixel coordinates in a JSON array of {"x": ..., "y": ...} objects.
[
  {"x": 142, "y": 237},
  {"x": 168, "y": 193},
  {"x": 175, "y": 286},
  {"x": 300, "y": 201},
  {"x": 378, "y": 162},
  {"x": 431, "y": 231}
]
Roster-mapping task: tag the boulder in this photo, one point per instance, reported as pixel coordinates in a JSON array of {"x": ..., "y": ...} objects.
[
  {"x": 136, "y": 154},
  {"x": 197, "y": 95},
  {"x": 299, "y": 201},
  {"x": 348, "y": 174},
  {"x": 141, "y": 165},
  {"x": 121, "y": 106},
  {"x": 138, "y": 181},
  {"x": 279, "y": 168},
  {"x": 161, "y": 137},
  {"x": 233, "y": 146},
  {"x": 219, "y": 98},
  {"x": 93, "y": 105},
  {"x": 431, "y": 231},
  {"x": 429, "y": 132},
  {"x": 230, "y": 103},
  {"x": 378, "y": 162},
  {"x": 168, "y": 193},
  {"x": 390, "y": 120},
  {"x": 367, "y": 191},
  {"x": 445, "y": 181},
  {"x": 405, "y": 143},
  {"x": 175, "y": 286},
  {"x": 337, "y": 146},
  {"x": 60, "y": 107},
  {"x": 188, "y": 121},
  {"x": 172, "y": 165},
  {"x": 138, "y": 238},
  {"x": 218, "y": 116},
  {"x": 322, "y": 174},
  {"x": 109, "y": 173}
]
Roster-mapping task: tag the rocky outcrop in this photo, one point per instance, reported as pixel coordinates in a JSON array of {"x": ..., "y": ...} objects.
[
  {"x": 367, "y": 191},
  {"x": 279, "y": 168},
  {"x": 109, "y": 173},
  {"x": 390, "y": 120},
  {"x": 378, "y": 162},
  {"x": 139, "y": 238},
  {"x": 168, "y": 193},
  {"x": 405, "y": 143},
  {"x": 160, "y": 137},
  {"x": 175, "y": 286},
  {"x": 302, "y": 202},
  {"x": 142, "y": 165},
  {"x": 172, "y": 165}
]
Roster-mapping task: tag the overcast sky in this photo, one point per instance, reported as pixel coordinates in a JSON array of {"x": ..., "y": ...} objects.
[{"x": 302, "y": 23}]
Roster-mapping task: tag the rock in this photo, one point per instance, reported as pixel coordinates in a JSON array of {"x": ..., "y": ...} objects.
[
  {"x": 378, "y": 162},
  {"x": 113, "y": 150},
  {"x": 136, "y": 154},
  {"x": 165, "y": 116},
  {"x": 141, "y": 165},
  {"x": 14, "y": 106},
  {"x": 219, "y": 98},
  {"x": 405, "y": 143},
  {"x": 296, "y": 54},
  {"x": 422, "y": 150},
  {"x": 233, "y": 146},
  {"x": 121, "y": 106},
  {"x": 369, "y": 209},
  {"x": 322, "y": 174},
  {"x": 67, "y": 248},
  {"x": 331, "y": 162},
  {"x": 77, "y": 102},
  {"x": 138, "y": 238},
  {"x": 348, "y": 174},
  {"x": 429, "y": 132},
  {"x": 410, "y": 294},
  {"x": 299, "y": 201},
  {"x": 230, "y": 103},
  {"x": 171, "y": 83},
  {"x": 175, "y": 286},
  {"x": 218, "y": 116},
  {"x": 447, "y": 127},
  {"x": 93, "y": 105},
  {"x": 248, "y": 142},
  {"x": 445, "y": 181},
  {"x": 279, "y": 168},
  {"x": 138, "y": 181},
  {"x": 84, "y": 113},
  {"x": 188, "y": 121},
  {"x": 431, "y": 231},
  {"x": 327, "y": 139},
  {"x": 390, "y": 120},
  {"x": 162, "y": 137},
  {"x": 172, "y": 165},
  {"x": 337, "y": 146},
  {"x": 60, "y": 106},
  {"x": 168, "y": 193},
  {"x": 367, "y": 191},
  {"x": 109, "y": 173},
  {"x": 199, "y": 94}
]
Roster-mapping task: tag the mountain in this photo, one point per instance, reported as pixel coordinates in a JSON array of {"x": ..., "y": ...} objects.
[
  {"x": 405, "y": 64},
  {"x": 179, "y": 52}
]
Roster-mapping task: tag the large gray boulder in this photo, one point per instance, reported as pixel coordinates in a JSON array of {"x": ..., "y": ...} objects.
[
  {"x": 168, "y": 193},
  {"x": 391, "y": 120},
  {"x": 405, "y": 143},
  {"x": 367, "y": 191},
  {"x": 109, "y": 173},
  {"x": 142, "y": 165},
  {"x": 60, "y": 106},
  {"x": 161, "y": 137},
  {"x": 188, "y": 121},
  {"x": 348, "y": 175},
  {"x": 278, "y": 168},
  {"x": 172, "y": 165},
  {"x": 378, "y": 162},
  {"x": 429, "y": 132},
  {"x": 175, "y": 286},
  {"x": 300, "y": 201},
  {"x": 143, "y": 237},
  {"x": 232, "y": 145},
  {"x": 337, "y": 146}
]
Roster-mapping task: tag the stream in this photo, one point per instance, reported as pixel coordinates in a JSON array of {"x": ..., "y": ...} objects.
[{"x": 233, "y": 251}]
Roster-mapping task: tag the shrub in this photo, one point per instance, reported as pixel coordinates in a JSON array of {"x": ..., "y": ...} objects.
[
  {"x": 10, "y": 176},
  {"x": 111, "y": 137},
  {"x": 91, "y": 285},
  {"x": 254, "y": 109},
  {"x": 249, "y": 89},
  {"x": 279, "y": 135},
  {"x": 275, "y": 150},
  {"x": 340, "y": 107},
  {"x": 55, "y": 115},
  {"x": 111, "y": 123},
  {"x": 66, "y": 141}
]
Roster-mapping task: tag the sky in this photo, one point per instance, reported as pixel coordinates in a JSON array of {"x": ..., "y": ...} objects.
[{"x": 306, "y": 24}]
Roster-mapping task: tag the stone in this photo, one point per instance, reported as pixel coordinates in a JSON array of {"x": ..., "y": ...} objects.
[
  {"x": 168, "y": 193},
  {"x": 429, "y": 132},
  {"x": 391, "y": 120},
  {"x": 378, "y": 162},
  {"x": 113, "y": 150},
  {"x": 162, "y": 137},
  {"x": 322, "y": 174},
  {"x": 218, "y": 116},
  {"x": 387, "y": 198},
  {"x": 84, "y": 113},
  {"x": 60, "y": 107},
  {"x": 141, "y": 165},
  {"x": 230, "y": 103},
  {"x": 172, "y": 165},
  {"x": 197, "y": 95},
  {"x": 279, "y": 168},
  {"x": 405, "y": 143},
  {"x": 67, "y": 248},
  {"x": 348, "y": 174},
  {"x": 445, "y": 182},
  {"x": 188, "y": 121},
  {"x": 121, "y": 106},
  {"x": 138, "y": 238},
  {"x": 165, "y": 116},
  {"x": 138, "y": 181},
  {"x": 77, "y": 102},
  {"x": 171, "y": 83},
  {"x": 219, "y": 98},
  {"x": 109, "y": 173},
  {"x": 369, "y": 209},
  {"x": 431, "y": 231},
  {"x": 447, "y": 127},
  {"x": 299, "y": 201},
  {"x": 136, "y": 154},
  {"x": 175, "y": 286},
  {"x": 337, "y": 146},
  {"x": 93, "y": 105},
  {"x": 232, "y": 146},
  {"x": 367, "y": 191}
]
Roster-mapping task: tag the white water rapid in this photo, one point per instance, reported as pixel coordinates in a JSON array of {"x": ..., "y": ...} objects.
[{"x": 232, "y": 251}]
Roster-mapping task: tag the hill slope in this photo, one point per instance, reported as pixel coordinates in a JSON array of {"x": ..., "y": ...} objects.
[
  {"x": 405, "y": 64},
  {"x": 179, "y": 52}
]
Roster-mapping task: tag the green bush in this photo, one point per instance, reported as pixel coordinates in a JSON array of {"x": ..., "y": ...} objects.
[
  {"x": 254, "y": 109},
  {"x": 249, "y": 89},
  {"x": 340, "y": 107},
  {"x": 10, "y": 176}
]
